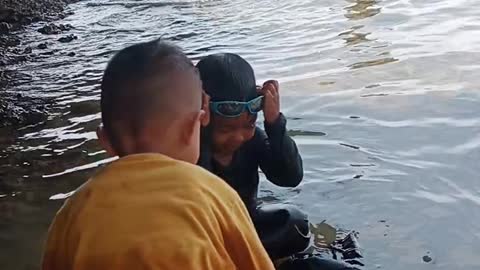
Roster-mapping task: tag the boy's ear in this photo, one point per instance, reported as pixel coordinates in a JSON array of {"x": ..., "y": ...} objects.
[
  {"x": 104, "y": 141},
  {"x": 206, "y": 109},
  {"x": 191, "y": 127}
]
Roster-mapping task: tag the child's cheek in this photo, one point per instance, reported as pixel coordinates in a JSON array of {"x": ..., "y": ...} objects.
[{"x": 220, "y": 139}]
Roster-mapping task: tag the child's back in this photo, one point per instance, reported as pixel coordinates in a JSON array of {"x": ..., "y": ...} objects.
[
  {"x": 149, "y": 210},
  {"x": 153, "y": 209}
]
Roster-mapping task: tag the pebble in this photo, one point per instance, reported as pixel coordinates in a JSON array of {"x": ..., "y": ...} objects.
[
  {"x": 42, "y": 46},
  {"x": 5, "y": 28},
  {"x": 48, "y": 53},
  {"x": 12, "y": 42},
  {"x": 427, "y": 259},
  {"x": 27, "y": 50},
  {"x": 71, "y": 54},
  {"x": 68, "y": 38},
  {"x": 52, "y": 29}
]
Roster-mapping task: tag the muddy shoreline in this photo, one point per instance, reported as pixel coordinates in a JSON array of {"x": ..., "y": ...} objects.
[{"x": 17, "y": 110}]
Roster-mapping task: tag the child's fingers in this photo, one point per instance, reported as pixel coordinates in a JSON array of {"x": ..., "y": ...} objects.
[
  {"x": 272, "y": 84},
  {"x": 269, "y": 97},
  {"x": 262, "y": 91},
  {"x": 273, "y": 95},
  {"x": 268, "y": 88}
]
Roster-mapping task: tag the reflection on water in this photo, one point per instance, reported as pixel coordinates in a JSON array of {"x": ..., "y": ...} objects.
[
  {"x": 357, "y": 12},
  {"x": 380, "y": 97},
  {"x": 361, "y": 9},
  {"x": 353, "y": 38},
  {"x": 376, "y": 62}
]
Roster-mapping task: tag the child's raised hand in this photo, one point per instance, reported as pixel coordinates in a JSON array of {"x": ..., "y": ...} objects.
[{"x": 271, "y": 101}]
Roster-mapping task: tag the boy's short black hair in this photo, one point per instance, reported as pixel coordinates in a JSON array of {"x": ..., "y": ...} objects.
[
  {"x": 126, "y": 89},
  {"x": 227, "y": 77}
]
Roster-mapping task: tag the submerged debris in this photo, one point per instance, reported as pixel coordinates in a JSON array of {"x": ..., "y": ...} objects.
[
  {"x": 52, "y": 29},
  {"x": 68, "y": 38},
  {"x": 335, "y": 243}
]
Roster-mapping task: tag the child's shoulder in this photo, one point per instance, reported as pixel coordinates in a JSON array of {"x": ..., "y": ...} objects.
[
  {"x": 201, "y": 177},
  {"x": 207, "y": 183}
]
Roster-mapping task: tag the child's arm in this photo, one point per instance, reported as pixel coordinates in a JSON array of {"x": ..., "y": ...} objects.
[
  {"x": 279, "y": 157},
  {"x": 54, "y": 254}
]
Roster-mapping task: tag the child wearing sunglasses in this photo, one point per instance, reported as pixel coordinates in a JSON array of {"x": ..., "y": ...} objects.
[{"x": 234, "y": 148}]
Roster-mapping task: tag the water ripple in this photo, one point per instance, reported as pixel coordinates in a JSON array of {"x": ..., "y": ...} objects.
[{"x": 381, "y": 98}]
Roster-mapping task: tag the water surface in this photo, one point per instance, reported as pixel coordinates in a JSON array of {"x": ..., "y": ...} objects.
[{"x": 381, "y": 97}]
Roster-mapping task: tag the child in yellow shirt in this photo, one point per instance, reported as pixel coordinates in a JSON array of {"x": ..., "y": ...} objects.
[{"x": 152, "y": 208}]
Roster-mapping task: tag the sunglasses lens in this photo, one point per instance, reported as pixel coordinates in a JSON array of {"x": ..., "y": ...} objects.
[
  {"x": 256, "y": 105},
  {"x": 231, "y": 108}
]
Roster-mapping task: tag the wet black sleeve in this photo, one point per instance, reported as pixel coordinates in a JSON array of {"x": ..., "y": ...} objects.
[{"x": 279, "y": 157}]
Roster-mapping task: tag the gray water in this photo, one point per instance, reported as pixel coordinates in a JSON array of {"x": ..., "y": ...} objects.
[{"x": 381, "y": 96}]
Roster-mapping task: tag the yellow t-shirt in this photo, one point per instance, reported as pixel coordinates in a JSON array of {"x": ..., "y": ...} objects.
[{"x": 148, "y": 211}]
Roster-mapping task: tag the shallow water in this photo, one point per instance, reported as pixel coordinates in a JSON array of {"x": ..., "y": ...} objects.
[{"x": 381, "y": 97}]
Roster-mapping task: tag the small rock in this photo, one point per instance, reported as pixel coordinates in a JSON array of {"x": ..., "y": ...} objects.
[
  {"x": 26, "y": 20},
  {"x": 68, "y": 38},
  {"x": 66, "y": 27},
  {"x": 358, "y": 176},
  {"x": 42, "y": 46},
  {"x": 12, "y": 42},
  {"x": 427, "y": 259},
  {"x": 382, "y": 221},
  {"x": 71, "y": 54},
  {"x": 354, "y": 117},
  {"x": 36, "y": 18},
  {"x": 27, "y": 50},
  {"x": 5, "y": 28},
  {"x": 48, "y": 53},
  {"x": 52, "y": 29},
  {"x": 6, "y": 13},
  {"x": 49, "y": 29},
  {"x": 21, "y": 58}
]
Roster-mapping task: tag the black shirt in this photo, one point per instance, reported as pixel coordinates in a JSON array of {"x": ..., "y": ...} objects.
[{"x": 272, "y": 150}]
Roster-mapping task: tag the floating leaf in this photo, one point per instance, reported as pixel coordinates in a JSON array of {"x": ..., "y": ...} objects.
[{"x": 324, "y": 234}]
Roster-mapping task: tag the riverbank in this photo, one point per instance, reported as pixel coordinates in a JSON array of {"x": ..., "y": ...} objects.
[{"x": 17, "y": 110}]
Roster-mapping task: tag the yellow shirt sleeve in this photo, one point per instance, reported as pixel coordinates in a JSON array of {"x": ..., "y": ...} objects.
[{"x": 54, "y": 245}]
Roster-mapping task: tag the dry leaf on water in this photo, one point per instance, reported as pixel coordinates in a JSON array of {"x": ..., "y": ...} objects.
[{"x": 324, "y": 234}]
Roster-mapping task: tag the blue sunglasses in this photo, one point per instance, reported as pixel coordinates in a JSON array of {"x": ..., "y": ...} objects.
[{"x": 233, "y": 109}]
